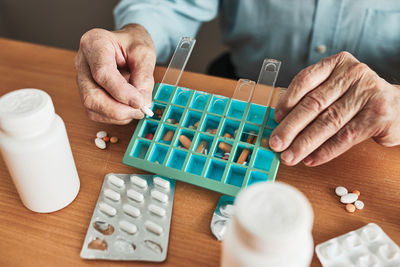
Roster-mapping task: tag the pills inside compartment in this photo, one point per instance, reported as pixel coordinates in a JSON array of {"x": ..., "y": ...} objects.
[
  {"x": 243, "y": 155},
  {"x": 174, "y": 115},
  {"x": 158, "y": 110},
  {"x": 184, "y": 139},
  {"x": 223, "y": 149}
]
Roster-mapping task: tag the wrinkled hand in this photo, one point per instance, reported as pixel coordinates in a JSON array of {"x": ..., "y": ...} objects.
[
  {"x": 331, "y": 106},
  {"x": 115, "y": 73}
]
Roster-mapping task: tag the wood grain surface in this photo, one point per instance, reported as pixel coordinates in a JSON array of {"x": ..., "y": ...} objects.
[{"x": 32, "y": 239}]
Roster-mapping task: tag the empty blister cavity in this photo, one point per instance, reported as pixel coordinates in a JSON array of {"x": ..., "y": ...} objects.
[
  {"x": 158, "y": 110},
  {"x": 236, "y": 175},
  {"x": 192, "y": 120},
  {"x": 140, "y": 148},
  {"x": 160, "y": 196},
  {"x": 256, "y": 113},
  {"x": 331, "y": 250},
  {"x": 177, "y": 159},
  {"x": 218, "y": 104},
  {"x": 128, "y": 227},
  {"x": 164, "y": 184},
  {"x": 114, "y": 180},
  {"x": 174, "y": 115},
  {"x": 149, "y": 128},
  {"x": 203, "y": 144},
  {"x": 103, "y": 227},
  {"x": 196, "y": 164},
  {"x": 157, "y": 210},
  {"x": 243, "y": 155},
  {"x": 111, "y": 194},
  {"x": 153, "y": 227},
  {"x": 131, "y": 210},
  {"x": 371, "y": 233},
  {"x": 98, "y": 244},
  {"x": 271, "y": 121},
  {"x": 237, "y": 109},
  {"x": 389, "y": 252},
  {"x": 138, "y": 181},
  {"x": 153, "y": 246},
  {"x": 256, "y": 177},
  {"x": 164, "y": 92},
  {"x": 367, "y": 260},
  {"x": 107, "y": 209},
  {"x": 219, "y": 229},
  {"x": 263, "y": 160},
  {"x": 215, "y": 170},
  {"x": 199, "y": 100},
  {"x": 211, "y": 124},
  {"x": 250, "y": 134},
  {"x": 124, "y": 246},
  {"x": 226, "y": 209},
  {"x": 158, "y": 154},
  {"x": 181, "y": 97},
  {"x": 223, "y": 149},
  {"x": 135, "y": 195},
  {"x": 351, "y": 241},
  {"x": 230, "y": 128},
  {"x": 166, "y": 134},
  {"x": 184, "y": 139}
]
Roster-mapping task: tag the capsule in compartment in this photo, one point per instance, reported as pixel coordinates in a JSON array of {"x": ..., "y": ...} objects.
[
  {"x": 225, "y": 147},
  {"x": 202, "y": 147}
]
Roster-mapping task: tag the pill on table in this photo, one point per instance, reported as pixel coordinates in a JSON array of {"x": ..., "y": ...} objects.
[
  {"x": 157, "y": 210},
  {"x": 136, "y": 180},
  {"x": 161, "y": 183},
  {"x": 128, "y": 227},
  {"x": 153, "y": 227},
  {"x": 111, "y": 194},
  {"x": 107, "y": 209},
  {"x": 227, "y": 135},
  {"x": 106, "y": 139},
  {"x": 264, "y": 142},
  {"x": 118, "y": 182},
  {"x": 202, "y": 146},
  {"x": 350, "y": 208},
  {"x": 359, "y": 204},
  {"x": 132, "y": 194},
  {"x": 101, "y": 134},
  {"x": 168, "y": 135},
  {"x": 172, "y": 121},
  {"x": 185, "y": 141},
  {"x": 131, "y": 210},
  {"x": 356, "y": 192},
  {"x": 225, "y": 147},
  {"x": 341, "y": 191},
  {"x": 114, "y": 139},
  {"x": 243, "y": 156},
  {"x": 100, "y": 143},
  {"x": 348, "y": 198},
  {"x": 196, "y": 125},
  {"x": 149, "y": 136},
  {"x": 147, "y": 111},
  {"x": 159, "y": 196}
]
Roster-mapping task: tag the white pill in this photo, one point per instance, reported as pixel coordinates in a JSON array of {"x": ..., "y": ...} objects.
[
  {"x": 100, "y": 143},
  {"x": 101, "y": 134},
  {"x": 131, "y": 210},
  {"x": 341, "y": 191},
  {"x": 142, "y": 183},
  {"x": 159, "y": 196},
  {"x": 111, "y": 194},
  {"x": 161, "y": 182},
  {"x": 359, "y": 204},
  {"x": 157, "y": 210},
  {"x": 128, "y": 227},
  {"x": 135, "y": 195},
  {"x": 118, "y": 182},
  {"x": 107, "y": 209},
  {"x": 348, "y": 198},
  {"x": 147, "y": 111},
  {"x": 153, "y": 227}
]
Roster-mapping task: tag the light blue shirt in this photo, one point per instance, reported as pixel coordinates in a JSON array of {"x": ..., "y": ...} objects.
[{"x": 297, "y": 32}]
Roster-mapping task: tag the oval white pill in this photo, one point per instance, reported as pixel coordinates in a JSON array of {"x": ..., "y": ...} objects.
[
  {"x": 142, "y": 183},
  {"x": 348, "y": 198},
  {"x": 100, "y": 143},
  {"x": 118, "y": 182},
  {"x": 147, "y": 111},
  {"x": 128, "y": 227},
  {"x": 131, "y": 210},
  {"x": 159, "y": 196},
  {"x": 153, "y": 227},
  {"x": 161, "y": 182},
  {"x": 101, "y": 134},
  {"x": 111, "y": 194},
  {"x": 359, "y": 204},
  {"x": 341, "y": 191},
  {"x": 135, "y": 195},
  {"x": 157, "y": 210},
  {"x": 107, "y": 209}
]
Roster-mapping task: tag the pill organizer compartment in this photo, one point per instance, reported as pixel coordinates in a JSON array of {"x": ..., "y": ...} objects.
[
  {"x": 271, "y": 121},
  {"x": 149, "y": 127},
  {"x": 166, "y": 134},
  {"x": 158, "y": 110},
  {"x": 220, "y": 149},
  {"x": 211, "y": 124},
  {"x": 164, "y": 92},
  {"x": 140, "y": 149},
  {"x": 236, "y": 109},
  {"x": 182, "y": 96},
  {"x": 218, "y": 104},
  {"x": 257, "y": 176},
  {"x": 177, "y": 159},
  {"x": 187, "y": 133},
  {"x": 236, "y": 175},
  {"x": 256, "y": 113},
  {"x": 250, "y": 133},
  {"x": 196, "y": 164},
  {"x": 174, "y": 115},
  {"x": 241, "y": 152},
  {"x": 199, "y": 100},
  {"x": 216, "y": 169},
  {"x": 203, "y": 144},
  {"x": 191, "y": 119},
  {"x": 158, "y": 153},
  {"x": 263, "y": 160},
  {"x": 230, "y": 127}
]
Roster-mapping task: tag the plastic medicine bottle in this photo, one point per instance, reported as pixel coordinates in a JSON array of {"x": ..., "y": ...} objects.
[
  {"x": 36, "y": 150},
  {"x": 271, "y": 226}
]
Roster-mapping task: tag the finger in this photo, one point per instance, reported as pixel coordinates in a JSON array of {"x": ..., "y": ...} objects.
[
  {"x": 313, "y": 103},
  {"x": 325, "y": 126},
  {"x": 357, "y": 130},
  {"x": 307, "y": 80},
  {"x": 100, "y": 118}
]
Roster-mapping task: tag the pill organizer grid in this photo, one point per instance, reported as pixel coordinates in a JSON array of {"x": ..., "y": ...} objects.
[
  {"x": 367, "y": 246},
  {"x": 207, "y": 169},
  {"x": 131, "y": 219}
]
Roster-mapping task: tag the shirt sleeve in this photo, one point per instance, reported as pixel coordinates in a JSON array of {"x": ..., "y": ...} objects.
[{"x": 166, "y": 20}]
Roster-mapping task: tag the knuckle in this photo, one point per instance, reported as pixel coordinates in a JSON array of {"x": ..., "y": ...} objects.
[
  {"x": 358, "y": 70},
  {"x": 312, "y": 103},
  {"x": 87, "y": 101},
  {"x": 91, "y": 35},
  {"x": 332, "y": 118},
  {"x": 347, "y": 136},
  {"x": 100, "y": 74}
]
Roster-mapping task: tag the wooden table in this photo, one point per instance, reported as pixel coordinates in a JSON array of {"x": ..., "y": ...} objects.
[{"x": 31, "y": 239}]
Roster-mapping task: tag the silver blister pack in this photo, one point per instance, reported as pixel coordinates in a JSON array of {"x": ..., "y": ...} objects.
[
  {"x": 221, "y": 216},
  {"x": 131, "y": 220}
]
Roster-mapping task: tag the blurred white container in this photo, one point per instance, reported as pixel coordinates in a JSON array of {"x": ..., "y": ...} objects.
[
  {"x": 36, "y": 150},
  {"x": 271, "y": 226}
]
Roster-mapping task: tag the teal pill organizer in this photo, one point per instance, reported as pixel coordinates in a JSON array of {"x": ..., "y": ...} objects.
[{"x": 214, "y": 124}]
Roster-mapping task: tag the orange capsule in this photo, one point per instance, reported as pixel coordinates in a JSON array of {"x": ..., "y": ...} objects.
[
  {"x": 264, "y": 142},
  {"x": 168, "y": 136},
  {"x": 225, "y": 147},
  {"x": 106, "y": 139},
  {"x": 196, "y": 125},
  {"x": 243, "y": 156},
  {"x": 185, "y": 141},
  {"x": 227, "y": 135},
  {"x": 350, "y": 208},
  {"x": 250, "y": 137},
  {"x": 356, "y": 192}
]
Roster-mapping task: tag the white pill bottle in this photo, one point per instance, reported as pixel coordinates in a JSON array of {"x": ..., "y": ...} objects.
[
  {"x": 271, "y": 227},
  {"x": 36, "y": 150}
]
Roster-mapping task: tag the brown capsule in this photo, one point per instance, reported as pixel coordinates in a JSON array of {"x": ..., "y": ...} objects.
[
  {"x": 185, "y": 141},
  {"x": 250, "y": 137},
  {"x": 264, "y": 142},
  {"x": 114, "y": 139},
  {"x": 225, "y": 147},
  {"x": 243, "y": 156},
  {"x": 168, "y": 136},
  {"x": 202, "y": 147},
  {"x": 227, "y": 135}
]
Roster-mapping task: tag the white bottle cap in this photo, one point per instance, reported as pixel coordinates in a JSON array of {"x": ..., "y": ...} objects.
[{"x": 25, "y": 112}]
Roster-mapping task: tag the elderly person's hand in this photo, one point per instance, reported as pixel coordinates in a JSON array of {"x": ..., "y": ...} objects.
[
  {"x": 331, "y": 106},
  {"x": 115, "y": 73}
]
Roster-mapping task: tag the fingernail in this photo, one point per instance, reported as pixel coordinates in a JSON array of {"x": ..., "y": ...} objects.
[
  {"x": 275, "y": 142},
  {"x": 287, "y": 155},
  {"x": 308, "y": 161}
]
